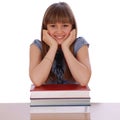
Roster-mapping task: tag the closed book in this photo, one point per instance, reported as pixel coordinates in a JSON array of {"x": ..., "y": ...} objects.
[
  {"x": 60, "y": 101},
  {"x": 60, "y": 91},
  {"x": 60, "y": 109}
]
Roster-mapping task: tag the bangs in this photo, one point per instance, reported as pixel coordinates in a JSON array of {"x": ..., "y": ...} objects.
[{"x": 60, "y": 17}]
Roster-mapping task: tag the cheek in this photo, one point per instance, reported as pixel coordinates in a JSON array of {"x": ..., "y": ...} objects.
[
  {"x": 50, "y": 33},
  {"x": 68, "y": 32}
]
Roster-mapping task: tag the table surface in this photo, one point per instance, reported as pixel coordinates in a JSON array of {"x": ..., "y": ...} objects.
[{"x": 98, "y": 111}]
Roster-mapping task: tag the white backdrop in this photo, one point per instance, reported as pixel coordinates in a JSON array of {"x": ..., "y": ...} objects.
[{"x": 98, "y": 22}]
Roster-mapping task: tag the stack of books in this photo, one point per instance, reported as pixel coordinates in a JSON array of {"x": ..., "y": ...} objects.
[{"x": 59, "y": 98}]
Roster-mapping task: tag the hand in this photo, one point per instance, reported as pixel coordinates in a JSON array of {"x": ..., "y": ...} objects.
[
  {"x": 70, "y": 39},
  {"x": 48, "y": 39}
]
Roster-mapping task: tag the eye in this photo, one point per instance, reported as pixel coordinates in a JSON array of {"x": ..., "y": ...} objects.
[
  {"x": 65, "y": 25},
  {"x": 52, "y": 25}
]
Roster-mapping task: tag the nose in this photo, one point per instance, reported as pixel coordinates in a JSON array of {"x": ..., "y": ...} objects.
[{"x": 59, "y": 30}]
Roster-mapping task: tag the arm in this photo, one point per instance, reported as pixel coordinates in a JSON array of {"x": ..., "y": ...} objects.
[
  {"x": 79, "y": 66},
  {"x": 40, "y": 68}
]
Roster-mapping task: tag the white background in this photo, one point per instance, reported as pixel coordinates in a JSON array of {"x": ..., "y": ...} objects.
[{"x": 98, "y": 22}]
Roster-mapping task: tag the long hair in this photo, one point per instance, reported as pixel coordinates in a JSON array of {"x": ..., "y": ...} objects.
[{"x": 62, "y": 13}]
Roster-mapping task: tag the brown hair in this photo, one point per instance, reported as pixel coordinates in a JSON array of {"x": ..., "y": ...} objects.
[{"x": 58, "y": 12}]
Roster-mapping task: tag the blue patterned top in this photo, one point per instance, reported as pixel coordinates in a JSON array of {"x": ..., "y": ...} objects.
[{"x": 79, "y": 42}]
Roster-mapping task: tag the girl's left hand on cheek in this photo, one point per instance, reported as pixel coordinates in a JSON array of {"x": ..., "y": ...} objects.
[{"x": 70, "y": 39}]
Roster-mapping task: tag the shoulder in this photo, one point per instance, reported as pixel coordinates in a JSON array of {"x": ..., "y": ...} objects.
[
  {"x": 37, "y": 43},
  {"x": 79, "y": 42}
]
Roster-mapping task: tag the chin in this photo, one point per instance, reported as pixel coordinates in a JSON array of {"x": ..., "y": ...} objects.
[{"x": 59, "y": 43}]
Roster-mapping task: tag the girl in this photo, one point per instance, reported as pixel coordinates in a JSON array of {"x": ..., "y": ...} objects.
[{"x": 59, "y": 57}]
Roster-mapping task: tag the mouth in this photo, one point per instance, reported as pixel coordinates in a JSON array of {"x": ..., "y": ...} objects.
[{"x": 59, "y": 38}]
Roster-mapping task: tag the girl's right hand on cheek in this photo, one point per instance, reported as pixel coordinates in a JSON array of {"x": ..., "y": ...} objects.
[{"x": 48, "y": 39}]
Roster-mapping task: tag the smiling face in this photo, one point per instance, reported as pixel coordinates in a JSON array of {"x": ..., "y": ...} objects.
[
  {"x": 58, "y": 20},
  {"x": 59, "y": 31}
]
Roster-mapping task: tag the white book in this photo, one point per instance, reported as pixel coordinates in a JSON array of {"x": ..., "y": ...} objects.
[{"x": 60, "y": 109}]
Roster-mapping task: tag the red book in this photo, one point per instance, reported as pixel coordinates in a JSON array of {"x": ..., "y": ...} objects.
[{"x": 60, "y": 91}]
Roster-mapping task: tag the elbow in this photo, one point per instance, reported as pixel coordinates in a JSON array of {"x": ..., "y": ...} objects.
[
  {"x": 37, "y": 84},
  {"x": 35, "y": 80},
  {"x": 84, "y": 83},
  {"x": 85, "y": 79}
]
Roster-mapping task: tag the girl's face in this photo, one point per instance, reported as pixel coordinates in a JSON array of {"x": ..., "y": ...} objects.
[{"x": 59, "y": 31}]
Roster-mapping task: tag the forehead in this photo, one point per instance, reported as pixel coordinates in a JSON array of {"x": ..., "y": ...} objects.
[{"x": 60, "y": 23}]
